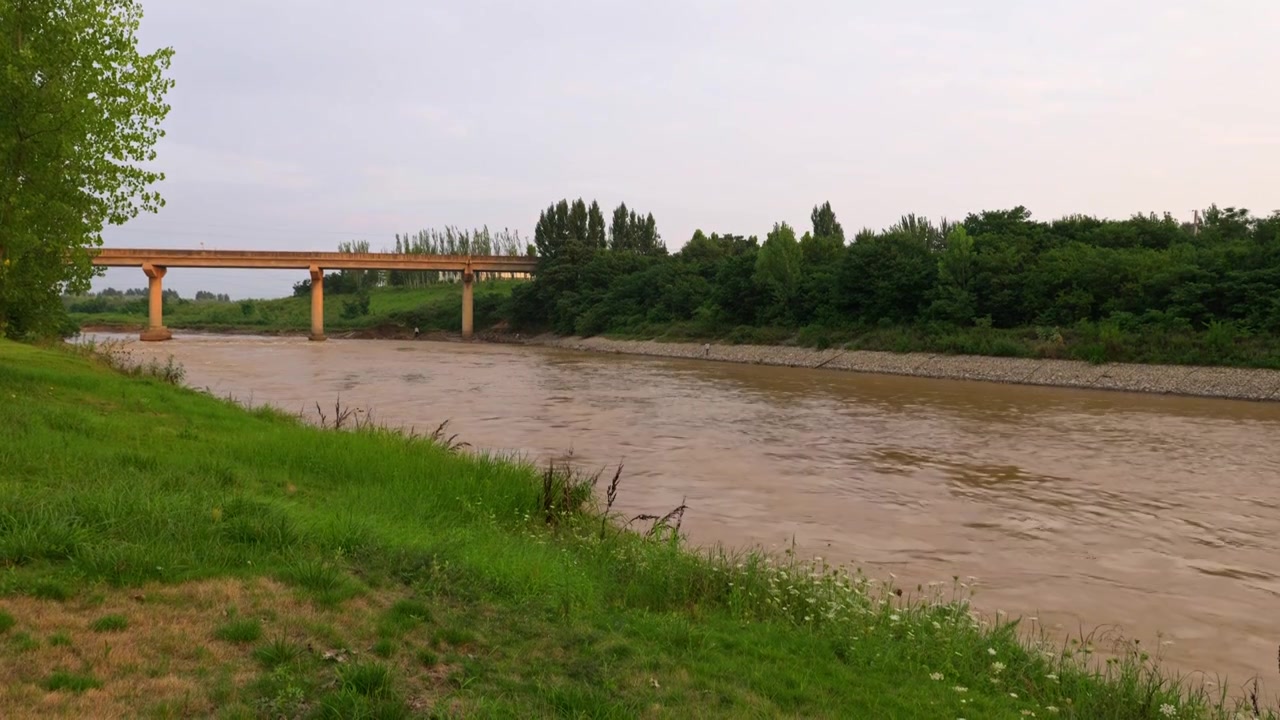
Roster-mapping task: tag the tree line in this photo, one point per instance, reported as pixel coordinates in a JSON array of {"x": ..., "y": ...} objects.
[
  {"x": 131, "y": 300},
  {"x": 1146, "y": 275}
]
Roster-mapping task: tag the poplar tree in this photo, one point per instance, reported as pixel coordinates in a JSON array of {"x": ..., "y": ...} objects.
[{"x": 80, "y": 118}]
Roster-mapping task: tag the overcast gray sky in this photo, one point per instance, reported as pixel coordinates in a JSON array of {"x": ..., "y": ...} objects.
[{"x": 298, "y": 124}]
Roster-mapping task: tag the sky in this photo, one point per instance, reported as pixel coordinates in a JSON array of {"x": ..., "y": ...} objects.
[{"x": 299, "y": 124}]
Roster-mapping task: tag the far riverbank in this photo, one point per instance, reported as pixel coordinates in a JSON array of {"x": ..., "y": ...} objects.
[
  {"x": 1219, "y": 382},
  {"x": 1258, "y": 384}
]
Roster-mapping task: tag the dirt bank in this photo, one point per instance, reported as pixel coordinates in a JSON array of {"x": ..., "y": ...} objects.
[{"x": 1221, "y": 382}]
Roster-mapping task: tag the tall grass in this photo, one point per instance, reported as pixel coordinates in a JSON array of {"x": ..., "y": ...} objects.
[{"x": 508, "y": 581}]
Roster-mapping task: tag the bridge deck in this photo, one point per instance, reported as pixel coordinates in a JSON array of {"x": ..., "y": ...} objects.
[{"x": 293, "y": 260}]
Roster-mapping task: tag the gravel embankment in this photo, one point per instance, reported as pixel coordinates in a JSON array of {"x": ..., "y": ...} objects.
[{"x": 1220, "y": 382}]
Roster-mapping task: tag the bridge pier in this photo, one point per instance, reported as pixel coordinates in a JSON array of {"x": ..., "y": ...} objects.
[
  {"x": 317, "y": 304},
  {"x": 156, "y": 331},
  {"x": 468, "y": 281}
]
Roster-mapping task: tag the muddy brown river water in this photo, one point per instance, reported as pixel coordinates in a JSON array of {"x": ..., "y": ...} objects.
[{"x": 1156, "y": 515}]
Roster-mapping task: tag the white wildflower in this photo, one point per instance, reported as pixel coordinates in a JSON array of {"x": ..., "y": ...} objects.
[
  {"x": 1168, "y": 710},
  {"x": 991, "y": 651},
  {"x": 935, "y": 676},
  {"x": 1053, "y": 709},
  {"x": 997, "y": 667},
  {"x": 937, "y": 625},
  {"x": 960, "y": 689},
  {"x": 1013, "y": 695}
]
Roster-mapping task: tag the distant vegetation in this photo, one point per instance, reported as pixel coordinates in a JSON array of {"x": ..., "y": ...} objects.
[
  {"x": 1144, "y": 289},
  {"x": 434, "y": 307},
  {"x": 1147, "y": 288}
]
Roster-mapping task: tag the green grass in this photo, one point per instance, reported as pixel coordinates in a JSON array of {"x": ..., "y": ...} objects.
[
  {"x": 504, "y": 604},
  {"x": 436, "y": 307},
  {"x": 71, "y": 682},
  {"x": 7, "y": 622},
  {"x": 109, "y": 623},
  {"x": 276, "y": 653},
  {"x": 21, "y": 642},
  {"x": 245, "y": 630}
]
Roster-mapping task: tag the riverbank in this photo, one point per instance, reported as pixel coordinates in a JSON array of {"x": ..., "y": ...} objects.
[
  {"x": 312, "y": 572},
  {"x": 1220, "y": 382},
  {"x": 1235, "y": 383}
]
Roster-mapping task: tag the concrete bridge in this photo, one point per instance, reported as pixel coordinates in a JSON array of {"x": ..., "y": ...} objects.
[{"x": 155, "y": 263}]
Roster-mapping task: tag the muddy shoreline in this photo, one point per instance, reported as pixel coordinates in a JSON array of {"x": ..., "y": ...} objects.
[
  {"x": 1216, "y": 382},
  {"x": 1198, "y": 381}
]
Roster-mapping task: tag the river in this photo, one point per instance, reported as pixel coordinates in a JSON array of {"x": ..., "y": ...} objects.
[{"x": 1158, "y": 516}]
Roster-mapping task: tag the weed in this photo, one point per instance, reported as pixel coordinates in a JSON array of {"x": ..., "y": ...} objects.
[
  {"x": 348, "y": 703},
  {"x": 276, "y": 653},
  {"x": 51, "y": 590},
  {"x": 440, "y": 437},
  {"x": 281, "y": 694},
  {"x": 60, "y": 639},
  {"x": 70, "y": 681},
  {"x": 384, "y": 648},
  {"x": 239, "y": 631},
  {"x": 369, "y": 679},
  {"x": 7, "y": 622},
  {"x": 109, "y": 623},
  {"x": 326, "y": 583},
  {"x": 454, "y": 635},
  {"x": 565, "y": 492},
  {"x": 23, "y": 642},
  {"x": 402, "y": 617}
]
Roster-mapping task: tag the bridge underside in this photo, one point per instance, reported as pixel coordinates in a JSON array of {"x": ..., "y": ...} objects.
[{"x": 156, "y": 263}]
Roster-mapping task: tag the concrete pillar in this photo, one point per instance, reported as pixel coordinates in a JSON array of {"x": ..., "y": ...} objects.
[
  {"x": 468, "y": 280},
  {"x": 156, "y": 330},
  {"x": 317, "y": 304}
]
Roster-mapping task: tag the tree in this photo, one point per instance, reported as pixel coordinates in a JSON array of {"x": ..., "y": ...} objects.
[
  {"x": 633, "y": 233},
  {"x": 825, "y": 224},
  {"x": 778, "y": 266},
  {"x": 357, "y": 279},
  {"x": 956, "y": 269},
  {"x": 887, "y": 278},
  {"x": 82, "y": 114},
  {"x": 579, "y": 222},
  {"x": 648, "y": 241},
  {"x": 620, "y": 230},
  {"x": 595, "y": 227}
]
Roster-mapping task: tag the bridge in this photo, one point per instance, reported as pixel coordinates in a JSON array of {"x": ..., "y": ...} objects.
[{"x": 155, "y": 263}]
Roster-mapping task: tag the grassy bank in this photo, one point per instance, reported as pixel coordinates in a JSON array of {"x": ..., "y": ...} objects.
[
  {"x": 432, "y": 308},
  {"x": 167, "y": 553}
]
